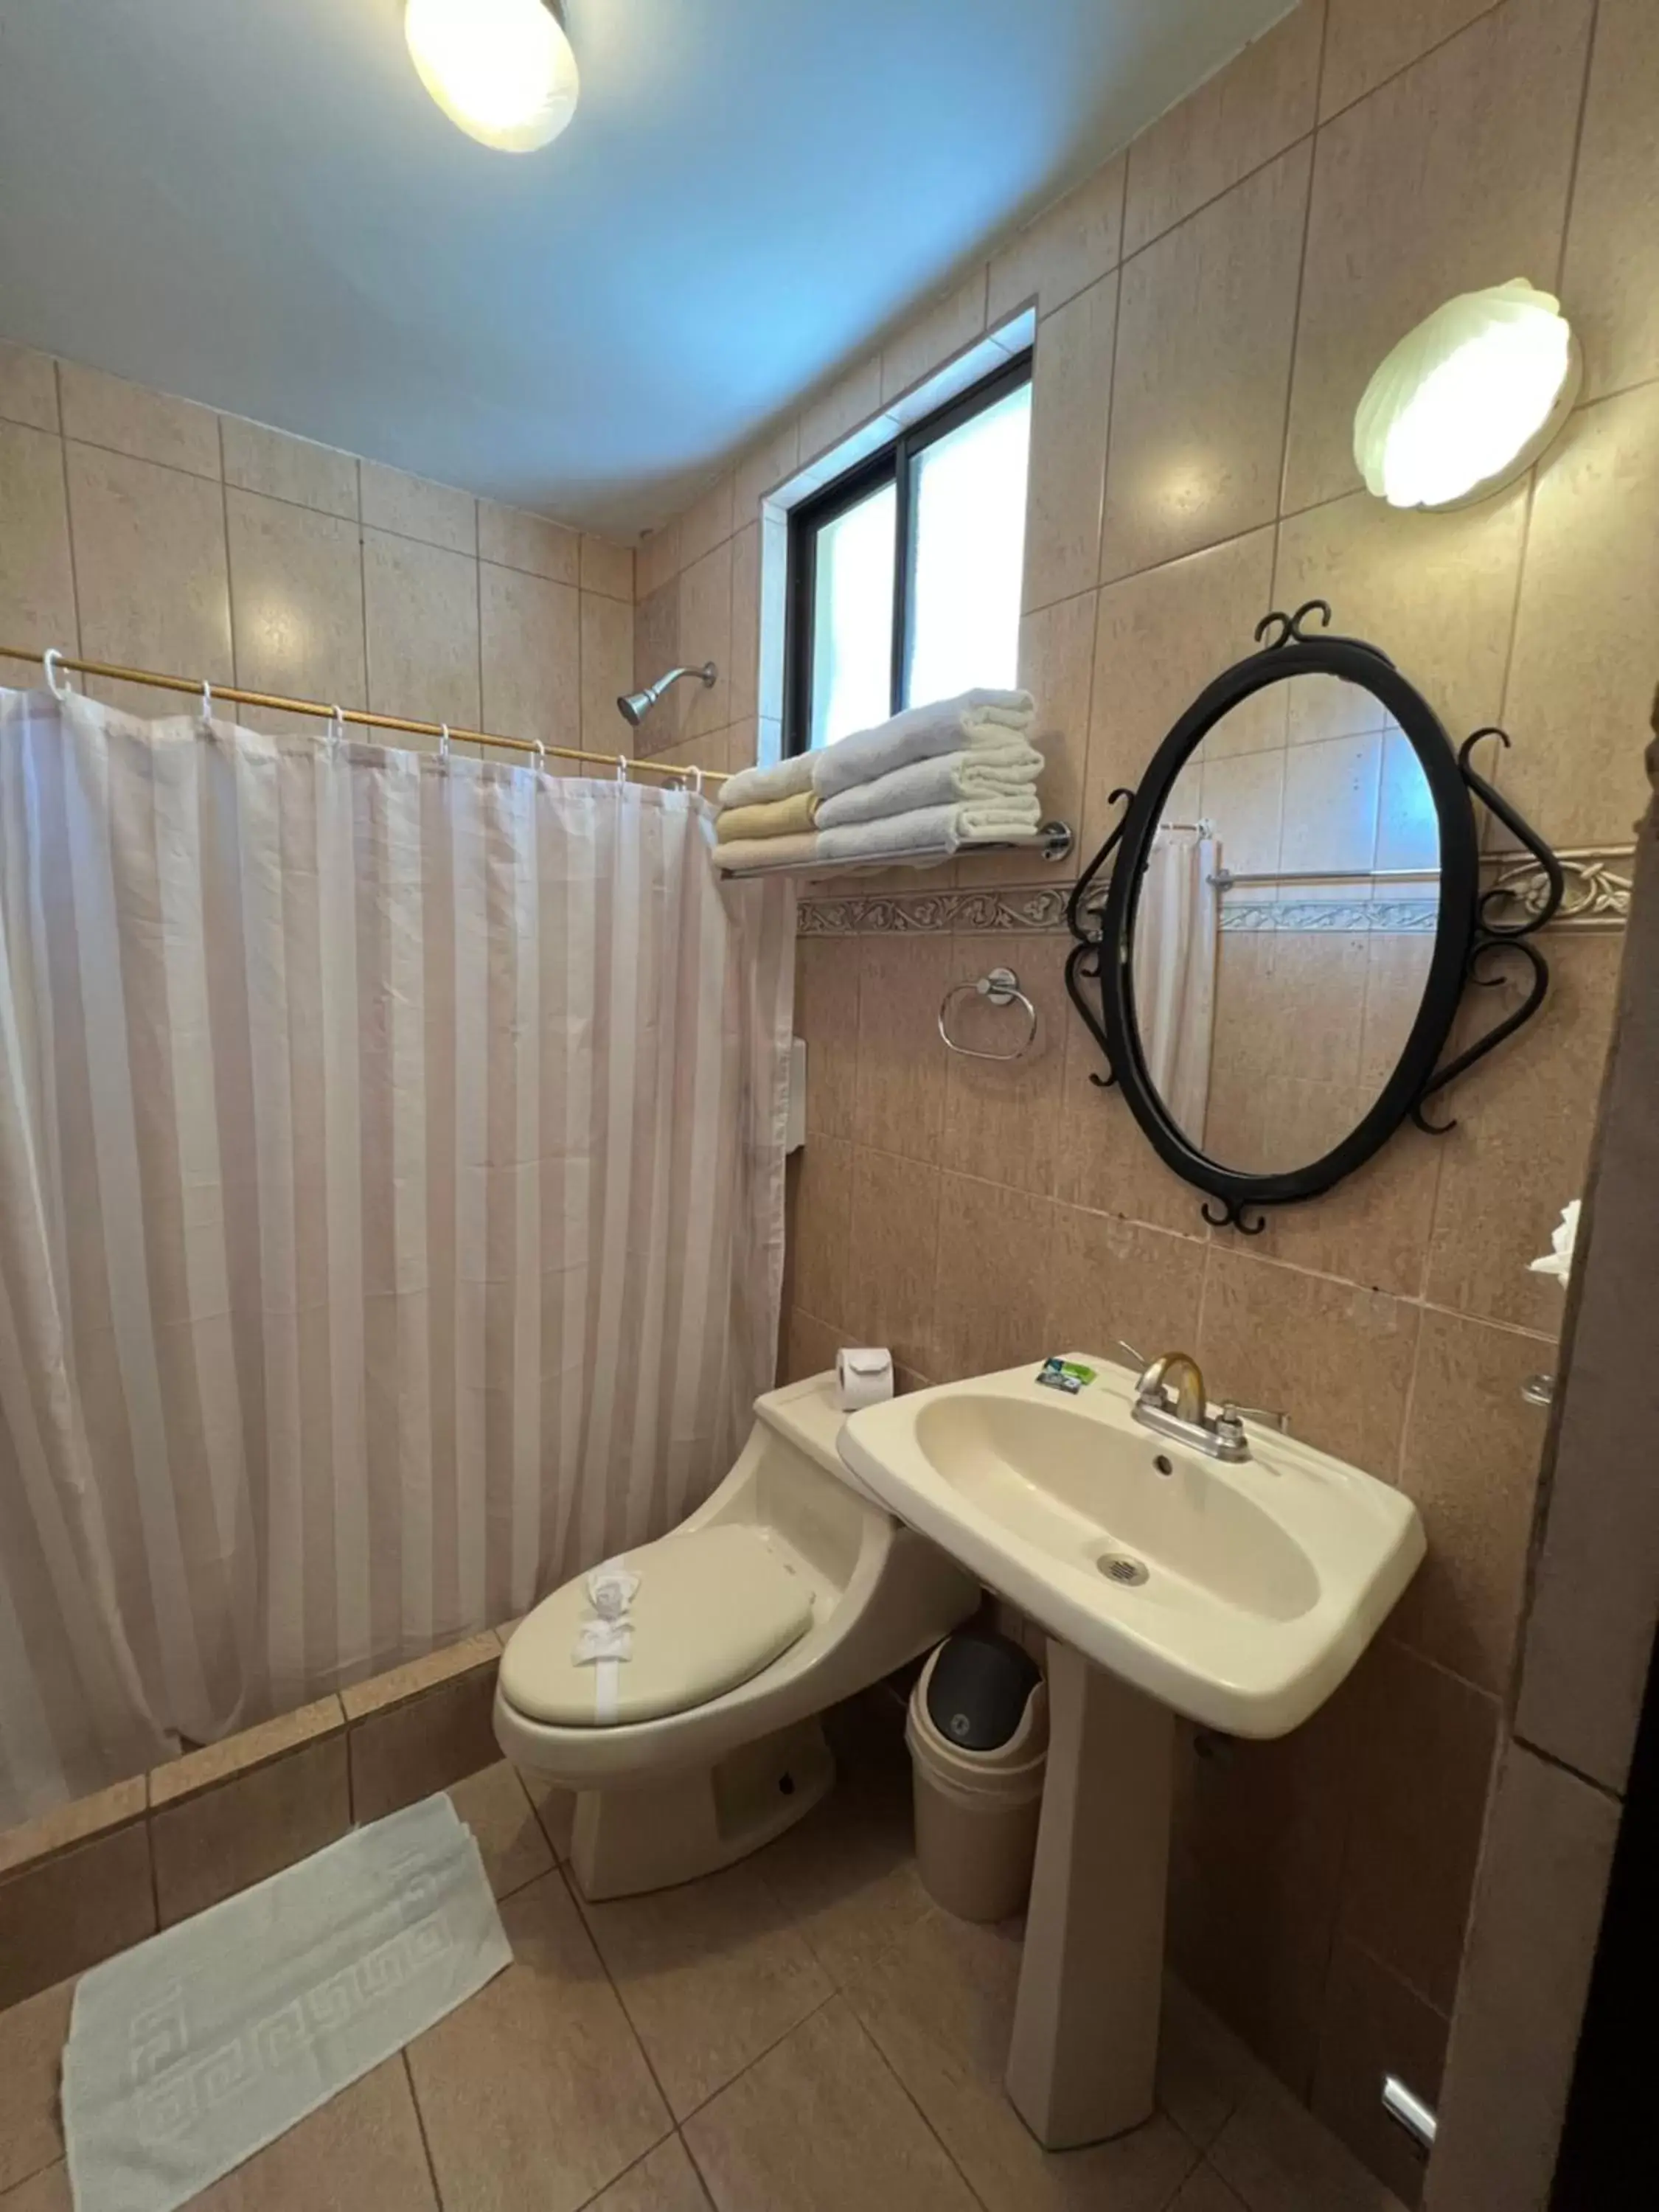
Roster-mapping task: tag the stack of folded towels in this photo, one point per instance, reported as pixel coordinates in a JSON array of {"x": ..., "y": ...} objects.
[{"x": 961, "y": 772}]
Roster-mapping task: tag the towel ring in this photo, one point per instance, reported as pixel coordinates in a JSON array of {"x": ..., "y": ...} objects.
[{"x": 1001, "y": 987}]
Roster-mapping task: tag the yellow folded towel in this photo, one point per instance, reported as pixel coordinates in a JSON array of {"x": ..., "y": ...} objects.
[{"x": 781, "y": 817}]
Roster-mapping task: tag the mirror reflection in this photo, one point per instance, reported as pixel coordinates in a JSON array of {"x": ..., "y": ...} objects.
[{"x": 1284, "y": 923}]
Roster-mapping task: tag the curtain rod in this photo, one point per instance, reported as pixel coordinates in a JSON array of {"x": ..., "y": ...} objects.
[{"x": 361, "y": 716}]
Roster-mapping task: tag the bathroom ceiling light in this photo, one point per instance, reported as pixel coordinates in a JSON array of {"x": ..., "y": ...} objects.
[
  {"x": 1469, "y": 399},
  {"x": 503, "y": 70}
]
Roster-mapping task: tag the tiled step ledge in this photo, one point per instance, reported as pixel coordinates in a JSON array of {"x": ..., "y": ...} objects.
[{"x": 84, "y": 1881}]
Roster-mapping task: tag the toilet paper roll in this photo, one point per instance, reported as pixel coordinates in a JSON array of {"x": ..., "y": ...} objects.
[{"x": 863, "y": 1377}]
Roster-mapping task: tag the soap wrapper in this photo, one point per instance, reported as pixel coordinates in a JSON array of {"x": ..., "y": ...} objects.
[{"x": 864, "y": 1377}]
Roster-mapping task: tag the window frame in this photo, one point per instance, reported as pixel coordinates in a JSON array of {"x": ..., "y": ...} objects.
[{"x": 892, "y": 464}]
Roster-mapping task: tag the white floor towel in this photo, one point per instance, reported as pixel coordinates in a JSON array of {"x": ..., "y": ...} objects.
[{"x": 193, "y": 2051}]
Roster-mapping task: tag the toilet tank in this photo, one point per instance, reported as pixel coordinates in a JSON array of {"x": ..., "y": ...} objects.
[{"x": 800, "y": 1484}]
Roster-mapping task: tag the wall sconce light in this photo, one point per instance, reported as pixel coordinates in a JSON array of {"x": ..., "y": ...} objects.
[
  {"x": 1469, "y": 399},
  {"x": 501, "y": 69}
]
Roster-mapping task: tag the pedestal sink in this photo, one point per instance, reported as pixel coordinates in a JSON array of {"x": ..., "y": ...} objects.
[{"x": 1168, "y": 1583}]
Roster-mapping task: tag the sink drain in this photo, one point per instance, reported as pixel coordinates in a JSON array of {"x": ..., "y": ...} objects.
[{"x": 1122, "y": 1567}]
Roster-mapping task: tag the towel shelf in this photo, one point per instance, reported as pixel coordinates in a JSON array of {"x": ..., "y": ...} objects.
[{"x": 1053, "y": 842}]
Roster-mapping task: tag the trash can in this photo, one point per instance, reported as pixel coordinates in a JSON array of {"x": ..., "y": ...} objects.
[{"x": 978, "y": 1733}]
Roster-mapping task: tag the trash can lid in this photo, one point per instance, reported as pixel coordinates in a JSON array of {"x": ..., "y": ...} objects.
[{"x": 979, "y": 1685}]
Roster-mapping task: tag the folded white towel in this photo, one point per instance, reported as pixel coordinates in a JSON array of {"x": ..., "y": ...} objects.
[
  {"x": 934, "y": 829},
  {"x": 986, "y": 772},
  {"x": 795, "y": 849},
  {"x": 758, "y": 787},
  {"x": 946, "y": 726}
]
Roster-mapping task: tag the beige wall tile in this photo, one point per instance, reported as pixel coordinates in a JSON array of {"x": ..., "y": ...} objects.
[
  {"x": 710, "y": 1974},
  {"x": 974, "y": 1334},
  {"x": 531, "y": 641},
  {"x": 1532, "y": 1939},
  {"x": 1471, "y": 1463},
  {"x": 32, "y": 2038},
  {"x": 408, "y": 1751},
  {"x": 656, "y": 650},
  {"x": 1237, "y": 120},
  {"x": 513, "y": 538},
  {"x": 1056, "y": 666},
  {"x": 129, "y": 419},
  {"x": 822, "y": 1228},
  {"x": 708, "y": 521},
  {"x": 1113, "y": 1282},
  {"x": 296, "y": 596},
  {"x": 767, "y": 464},
  {"x": 1448, "y": 177},
  {"x": 1374, "y": 1227},
  {"x": 895, "y": 1234},
  {"x": 415, "y": 1676},
  {"x": 412, "y": 507},
  {"x": 511, "y": 1841},
  {"x": 665, "y": 2181},
  {"x": 1333, "y": 790},
  {"x": 606, "y": 567},
  {"x": 1425, "y": 1742},
  {"x": 209, "y": 1847},
  {"x": 1610, "y": 280},
  {"x": 1002, "y": 1116},
  {"x": 535, "y": 2091},
  {"x": 827, "y": 1016},
  {"x": 820, "y": 2122},
  {"x": 215, "y": 1763},
  {"x": 259, "y": 458},
  {"x": 1245, "y": 795},
  {"x": 28, "y": 387},
  {"x": 656, "y": 559},
  {"x": 1069, "y": 247},
  {"x": 607, "y": 651},
  {"x": 1583, "y": 677},
  {"x": 1336, "y": 1359},
  {"x": 809, "y": 1347},
  {"x": 1207, "y": 320},
  {"x": 65, "y": 1914},
  {"x": 848, "y": 402},
  {"x": 1365, "y": 44},
  {"x": 1104, "y": 1163},
  {"x": 421, "y": 610},
  {"x": 1070, "y": 393},
  {"x": 944, "y": 327},
  {"x": 149, "y": 570},
  {"x": 705, "y": 632},
  {"x": 743, "y": 690},
  {"x": 37, "y": 578},
  {"x": 1522, "y": 1134},
  {"x": 903, "y": 1062},
  {"x": 1376, "y": 2025},
  {"x": 1159, "y": 639}
]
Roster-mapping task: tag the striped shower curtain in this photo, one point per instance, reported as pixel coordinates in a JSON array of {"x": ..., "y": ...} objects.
[{"x": 391, "y": 1209}]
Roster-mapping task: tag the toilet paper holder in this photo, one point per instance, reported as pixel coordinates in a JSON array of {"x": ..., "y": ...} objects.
[{"x": 1001, "y": 987}]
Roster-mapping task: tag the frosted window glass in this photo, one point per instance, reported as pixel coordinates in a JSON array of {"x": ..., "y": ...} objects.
[
  {"x": 970, "y": 534},
  {"x": 853, "y": 619}
]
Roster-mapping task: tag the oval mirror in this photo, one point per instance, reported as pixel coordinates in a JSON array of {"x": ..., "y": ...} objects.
[{"x": 1293, "y": 911}]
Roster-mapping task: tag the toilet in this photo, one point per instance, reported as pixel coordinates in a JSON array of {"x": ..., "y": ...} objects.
[{"x": 788, "y": 1589}]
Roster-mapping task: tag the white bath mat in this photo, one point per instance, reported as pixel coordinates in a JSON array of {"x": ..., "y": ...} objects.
[{"x": 191, "y": 2053}]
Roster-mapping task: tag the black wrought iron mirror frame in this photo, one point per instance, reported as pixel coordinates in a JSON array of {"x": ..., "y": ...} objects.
[{"x": 1471, "y": 938}]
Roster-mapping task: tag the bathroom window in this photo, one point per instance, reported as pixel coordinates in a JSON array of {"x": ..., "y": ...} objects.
[{"x": 904, "y": 573}]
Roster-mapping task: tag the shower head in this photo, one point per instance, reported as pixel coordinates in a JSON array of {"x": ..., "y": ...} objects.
[{"x": 635, "y": 706}]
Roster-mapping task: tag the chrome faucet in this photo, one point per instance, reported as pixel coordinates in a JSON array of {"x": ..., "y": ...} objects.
[{"x": 1169, "y": 1399}]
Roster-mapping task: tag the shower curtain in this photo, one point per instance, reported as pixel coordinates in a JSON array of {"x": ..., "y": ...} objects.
[
  {"x": 391, "y": 1209},
  {"x": 1177, "y": 916}
]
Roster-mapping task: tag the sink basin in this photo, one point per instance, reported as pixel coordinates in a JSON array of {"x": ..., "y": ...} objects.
[{"x": 1238, "y": 1594}]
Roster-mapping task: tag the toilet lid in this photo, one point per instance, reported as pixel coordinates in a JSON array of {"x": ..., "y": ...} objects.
[{"x": 713, "y": 1606}]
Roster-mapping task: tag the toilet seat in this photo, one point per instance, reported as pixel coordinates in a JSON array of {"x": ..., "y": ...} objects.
[{"x": 715, "y": 1606}]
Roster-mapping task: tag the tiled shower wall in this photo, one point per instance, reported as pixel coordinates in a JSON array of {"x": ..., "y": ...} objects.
[
  {"x": 1210, "y": 307},
  {"x": 151, "y": 532}
]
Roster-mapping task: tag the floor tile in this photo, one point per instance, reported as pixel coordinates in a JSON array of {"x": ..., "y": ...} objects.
[
  {"x": 556, "y": 1808},
  {"x": 665, "y": 2181},
  {"x": 535, "y": 2093},
  {"x": 939, "y": 2006},
  {"x": 1274, "y": 2155},
  {"x": 1205, "y": 2191},
  {"x": 31, "y": 2052},
  {"x": 361, "y": 2152},
  {"x": 711, "y": 1974},
  {"x": 847, "y": 1875},
  {"x": 493, "y": 1804},
  {"x": 820, "y": 2125},
  {"x": 1204, "y": 2071},
  {"x": 46, "y": 2193}
]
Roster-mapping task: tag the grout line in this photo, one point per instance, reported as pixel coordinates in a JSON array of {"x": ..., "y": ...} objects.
[
  {"x": 68, "y": 510},
  {"x": 564, "y": 1873},
  {"x": 1296, "y": 311},
  {"x": 1359, "y": 99},
  {"x": 1578, "y": 143},
  {"x": 420, "y": 2123},
  {"x": 886, "y": 2064}
]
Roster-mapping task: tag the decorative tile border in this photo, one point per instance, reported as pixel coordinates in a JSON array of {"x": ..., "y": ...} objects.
[
  {"x": 1597, "y": 897},
  {"x": 1356, "y": 917}
]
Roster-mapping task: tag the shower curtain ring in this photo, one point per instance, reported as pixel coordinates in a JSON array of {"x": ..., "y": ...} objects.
[
  {"x": 622, "y": 768},
  {"x": 335, "y": 728},
  {"x": 443, "y": 741},
  {"x": 693, "y": 777},
  {"x": 206, "y": 701},
  {"x": 52, "y": 660},
  {"x": 541, "y": 755}
]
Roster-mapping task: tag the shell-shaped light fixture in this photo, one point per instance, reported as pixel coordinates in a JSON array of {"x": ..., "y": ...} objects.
[
  {"x": 501, "y": 69},
  {"x": 1469, "y": 399}
]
